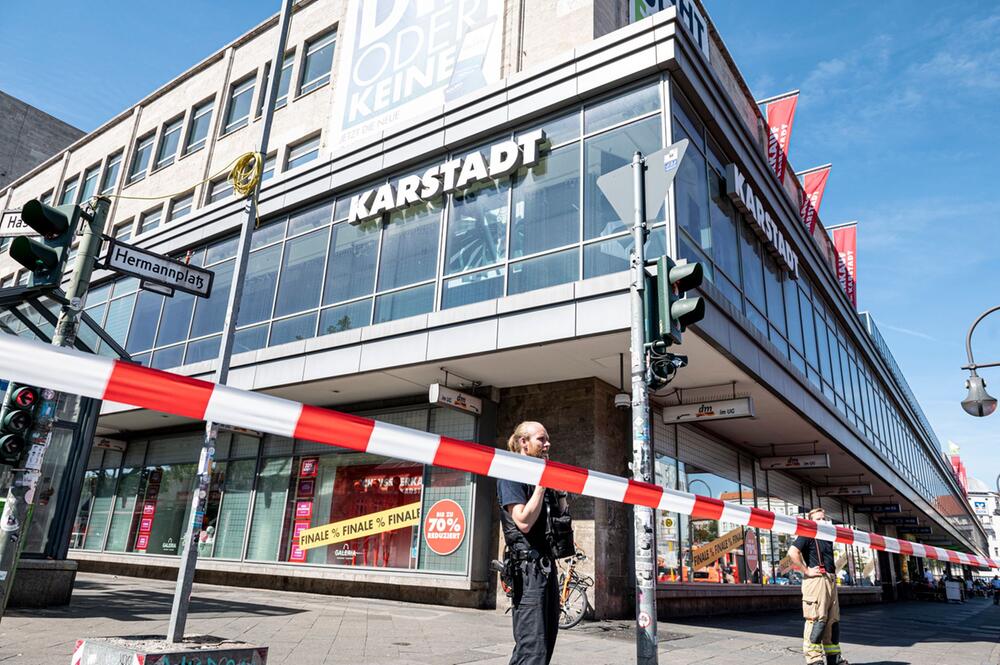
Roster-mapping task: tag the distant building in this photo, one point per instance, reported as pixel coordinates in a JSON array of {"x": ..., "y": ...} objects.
[
  {"x": 28, "y": 136},
  {"x": 986, "y": 505}
]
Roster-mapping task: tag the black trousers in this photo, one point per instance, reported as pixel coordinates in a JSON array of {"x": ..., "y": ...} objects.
[{"x": 536, "y": 613}]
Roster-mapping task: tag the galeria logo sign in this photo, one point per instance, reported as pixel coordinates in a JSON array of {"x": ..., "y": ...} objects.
[{"x": 504, "y": 159}]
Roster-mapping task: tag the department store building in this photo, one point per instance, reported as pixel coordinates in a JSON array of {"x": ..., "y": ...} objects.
[{"x": 504, "y": 280}]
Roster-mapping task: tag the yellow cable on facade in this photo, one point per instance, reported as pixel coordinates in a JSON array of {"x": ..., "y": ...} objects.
[{"x": 244, "y": 174}]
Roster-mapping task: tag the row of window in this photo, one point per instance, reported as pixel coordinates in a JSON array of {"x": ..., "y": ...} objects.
[
  {"x": 793, "y": 315},
  {"x": 264, "y": 492}
]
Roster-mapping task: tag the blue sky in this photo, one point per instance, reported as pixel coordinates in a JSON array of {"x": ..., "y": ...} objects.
[{"x": 902, "y": 97}]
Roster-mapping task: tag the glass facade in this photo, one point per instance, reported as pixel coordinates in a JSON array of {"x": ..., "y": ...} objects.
[
  {"x": 266, "y": 491},
  {"x": 693, "y": 550},
  {"x": 791, "y": 314}
]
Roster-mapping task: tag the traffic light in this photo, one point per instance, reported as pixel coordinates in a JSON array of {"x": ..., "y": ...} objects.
[
  {"x": 46, "y": 258},
  {"x": 676, "y": 312},
  {"x": 16, "y": 419}
]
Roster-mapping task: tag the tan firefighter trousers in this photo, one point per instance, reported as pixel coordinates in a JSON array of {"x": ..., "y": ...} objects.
[{"x": 819, "y": 603}]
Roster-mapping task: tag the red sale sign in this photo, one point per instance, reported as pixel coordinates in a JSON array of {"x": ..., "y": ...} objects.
[
  {"x": 813, "y": 185},
  {"x": 845, "y": 239},
  {"x": 780, "y": 115},
  {"x": 444, "y": 527}
]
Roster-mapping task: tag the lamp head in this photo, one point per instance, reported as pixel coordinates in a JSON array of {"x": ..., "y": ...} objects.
[{"x": 978, "y": 402}]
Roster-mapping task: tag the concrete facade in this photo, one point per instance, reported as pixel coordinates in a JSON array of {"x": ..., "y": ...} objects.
[{"x": 28, "y": 136}]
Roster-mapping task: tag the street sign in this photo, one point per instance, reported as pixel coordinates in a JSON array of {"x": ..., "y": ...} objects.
[
  {"x": 150, "y": 267},
  {"x": 876, "y": 508},
  {"x": 845, "y": 490},
  {"x": 819, "y": 461},
  {"x": 12, "y": 225},
  {"x": 740, "y": 407},
  {"x": 661, "y": 167}
]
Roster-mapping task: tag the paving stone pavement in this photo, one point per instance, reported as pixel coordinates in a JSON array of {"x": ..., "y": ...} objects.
[{"x": 308, "y": 629}]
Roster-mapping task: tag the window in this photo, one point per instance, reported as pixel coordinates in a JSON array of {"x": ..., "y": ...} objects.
[
  {"x": 69, "y": 191},
  {"x": 22, "y": 278},
  {"x": 201, "y": 120},
  {"x": 546, "y": 203},
  {"x": 268, "y": 171},
  {"x": 240, "y": 99},
  {"x": 318, "y": 62},
  {"x": 303, "y": 152},
  {"x": 219, "y": 189},
  {"x": 123, "y": 231},
  {"x": 150, "y": 219},
  {"x": 140, "y": 158},
  {"x": 46, "y": 198},
  {"x": 181, "y": 206},
  {"x": 90, "y": 182},
  {"x": 169, "y": 141},
  {"x": 283, "y": 84},
  {"x": 111, "y": 173}
]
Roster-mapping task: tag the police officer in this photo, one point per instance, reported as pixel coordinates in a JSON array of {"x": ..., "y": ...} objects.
[
  {"x": 524, "y": 515},
  {"x": 820, "y": 605}
]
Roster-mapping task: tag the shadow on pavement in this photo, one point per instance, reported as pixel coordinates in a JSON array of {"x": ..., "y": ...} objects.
[
  {"x": 899, "y": 624},
  {"x": 113, "y": 601}
]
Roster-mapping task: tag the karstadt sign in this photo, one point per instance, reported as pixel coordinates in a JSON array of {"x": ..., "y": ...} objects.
[
  {"x": 502, "y": 160},
  {"x": 402, "y": 58}
]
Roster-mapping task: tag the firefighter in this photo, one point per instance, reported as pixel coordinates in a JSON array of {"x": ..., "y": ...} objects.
[{"x": 820, "y": 606}]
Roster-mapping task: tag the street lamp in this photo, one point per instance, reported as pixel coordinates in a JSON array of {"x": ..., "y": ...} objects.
[{"x": 978, "y": 402}]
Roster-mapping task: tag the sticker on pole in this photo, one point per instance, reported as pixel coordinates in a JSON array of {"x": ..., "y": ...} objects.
[
  {"x": 444, "y": 527},
  {"x": 645, "y": 620}
]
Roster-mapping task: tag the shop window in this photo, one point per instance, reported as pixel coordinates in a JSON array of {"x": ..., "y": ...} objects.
[
  {"x": 773, "y": 277},
  {"x": 473, "y": 287},
  {"x": 310, "y": 218},
  {"x": 558, "y": 130},
  {"x": 619, "y": 109},
  {"x": 268, "y": 234},
  {"x": 209, "y": 313},
  {"x": 202, "y": 349},
  {"x": 410, "y": 245},
  {"x": 670, "y": 527},
  {"x": 224, "y": 535},
  {"x": 808, "y": 330},
  {"x": 124, "y": 514},
  {"x": 791, "y": 299},
  {"x": 477, "y": 227},
  {"x": 175, "y": 319},
  {"x": 250, "y": 339},
  {"x": 350, "y": 270},
  {"x": 608, "y": 256},
  {"x": 610, "y": 151},
  {"x": 144, "y": 320},
  {"x": 685, "y": 119},
  {"x": 753, "y": 272},
  {"x": 718, "y": 549},
  {"x": 302, "y": 268},
  {"x": 168, "y": 358},
  {"x": 776, "y": 567},
  {"x": 269, "y": 509},
  {"x": 691, "y": 193},
  {"x": 294, "y": 329},
  {"x": 546, "y": 203},
  {"x": 118, "y": 317}
]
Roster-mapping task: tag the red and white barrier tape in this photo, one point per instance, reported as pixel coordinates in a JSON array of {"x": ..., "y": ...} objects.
[{"x": 70, "y": 371}]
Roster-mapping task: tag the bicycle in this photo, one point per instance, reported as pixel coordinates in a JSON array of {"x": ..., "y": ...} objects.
[{"x": 573, "y": 599}]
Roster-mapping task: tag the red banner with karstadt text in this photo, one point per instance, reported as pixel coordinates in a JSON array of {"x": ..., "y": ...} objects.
[
  {"x": 780, "y": 115},
  {"x": 813, "y": 184},
  {"x": 845, "y": 239}
]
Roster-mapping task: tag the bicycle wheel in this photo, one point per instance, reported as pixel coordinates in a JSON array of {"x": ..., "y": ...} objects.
[{"x": 571, "y": 612}]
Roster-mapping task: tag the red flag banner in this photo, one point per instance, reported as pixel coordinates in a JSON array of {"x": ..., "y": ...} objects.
[
  {"x": 813, "y": 183},
  {"x": 780, "y": 114},
  {"x": 845, "y": 239}
]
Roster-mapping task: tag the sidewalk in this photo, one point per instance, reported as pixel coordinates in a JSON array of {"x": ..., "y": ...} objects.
[{"x": 307, "y": 629}]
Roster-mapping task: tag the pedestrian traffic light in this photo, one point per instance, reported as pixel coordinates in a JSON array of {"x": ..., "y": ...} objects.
[
  {"x": 46, "y": 258},
  {"x": 16, "y": 419},
  {"x": 676, "y": 312}
]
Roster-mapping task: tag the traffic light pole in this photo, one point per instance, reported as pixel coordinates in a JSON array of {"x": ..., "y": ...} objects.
[
  {"x": 642, "y": 445},
  {"x": 189, "y": 558},
  {"x": 21, "y": 494}
]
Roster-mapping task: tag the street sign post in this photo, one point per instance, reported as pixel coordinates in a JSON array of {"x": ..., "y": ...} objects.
[
  {"x": 154, "y": 269},
  {"x": 12, "y": 225},
  {"x": 637, "y": 191}
]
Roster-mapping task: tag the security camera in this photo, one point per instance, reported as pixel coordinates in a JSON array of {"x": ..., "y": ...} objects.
[{"x": 623, "y": 401}]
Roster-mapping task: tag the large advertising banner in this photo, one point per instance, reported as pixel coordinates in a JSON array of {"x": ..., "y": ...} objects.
[
  {"x": 780, "y": 116},
  {"x": 401, "y": 58},
  {"x": 813, "y": 184},
  {"x": 845, "y": 239}
]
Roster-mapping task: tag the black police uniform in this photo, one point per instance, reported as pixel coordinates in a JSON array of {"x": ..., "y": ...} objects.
[{"x": 536, "y": 588}]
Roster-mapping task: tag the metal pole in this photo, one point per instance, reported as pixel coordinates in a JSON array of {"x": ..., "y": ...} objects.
[
  {"x": 642, "y": 449},
  {"x": 968, "y": 342},
  {"x": 21, "y": 493},
  {"x": 189, "y": 558}
]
